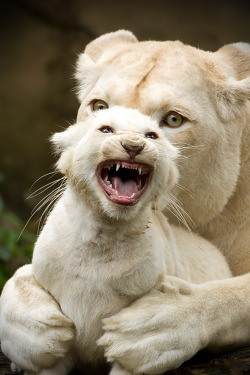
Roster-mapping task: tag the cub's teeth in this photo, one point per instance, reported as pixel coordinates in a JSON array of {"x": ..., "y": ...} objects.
[
  {"x": 132, "y": 196},
  {"x": 109, "y": 167},
  {"x": 106, "y": 180},
  {"x": 116, "y": 193},
  {"x": 139, "y": 169},
  {"x": 117, "y": 167},
  {"x": 139, "y": 185}
]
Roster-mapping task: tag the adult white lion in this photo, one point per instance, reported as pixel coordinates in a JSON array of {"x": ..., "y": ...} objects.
[{"x": 200, "y": 100}]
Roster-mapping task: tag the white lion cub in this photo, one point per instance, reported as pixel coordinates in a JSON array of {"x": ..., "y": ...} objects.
[{"x": 106, "y": 242}]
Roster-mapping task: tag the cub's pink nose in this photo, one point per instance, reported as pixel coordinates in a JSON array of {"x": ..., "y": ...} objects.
[{"x": 133, "y": 150}]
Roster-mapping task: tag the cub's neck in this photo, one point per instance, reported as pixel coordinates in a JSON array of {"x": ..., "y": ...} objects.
[{"x": 96, "y": 225}]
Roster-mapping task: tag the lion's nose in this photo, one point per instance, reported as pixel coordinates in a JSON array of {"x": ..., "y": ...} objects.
[{"x": 133, "y": 150}]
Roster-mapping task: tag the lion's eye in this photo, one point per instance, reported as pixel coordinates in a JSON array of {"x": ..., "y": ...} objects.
[
  {"x": 151, "y": 135},
  {"x": 98, "y": 105},
  {"x": 172, "y": 119},
  {"x": 106, "y": 129}
]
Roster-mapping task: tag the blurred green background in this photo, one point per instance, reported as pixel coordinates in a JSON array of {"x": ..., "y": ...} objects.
[{"x": 39, "y": 44}]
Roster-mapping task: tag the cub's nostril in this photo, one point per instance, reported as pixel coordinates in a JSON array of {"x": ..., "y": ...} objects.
[{"x": 133, "y": 150}]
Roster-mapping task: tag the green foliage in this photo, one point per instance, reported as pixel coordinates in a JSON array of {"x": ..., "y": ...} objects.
[{"x": 14, "y": 251}]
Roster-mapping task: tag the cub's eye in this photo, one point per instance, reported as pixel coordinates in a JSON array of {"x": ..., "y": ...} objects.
[
  {"x": 172, "y": 119},
  {"x": 98, "y": 105},
  {"x": 151, "y": 135},
  {"x": 106, "y": 129}
]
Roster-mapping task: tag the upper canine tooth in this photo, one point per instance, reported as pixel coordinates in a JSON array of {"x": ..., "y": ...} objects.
[
  {"x": 117, "y": 167},
  {"x": 109, "y": 166},
  {"x": 139, "y": 169}
]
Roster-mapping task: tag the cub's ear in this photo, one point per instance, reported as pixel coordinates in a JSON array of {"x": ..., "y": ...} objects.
[
  {"x": 232, "y": 89},
  {"x": 63, "y": 140},
  {"x": 89, "y": 68}
]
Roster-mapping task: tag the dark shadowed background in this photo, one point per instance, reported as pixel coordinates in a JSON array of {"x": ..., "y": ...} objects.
[{"x": 39, "y": 44}]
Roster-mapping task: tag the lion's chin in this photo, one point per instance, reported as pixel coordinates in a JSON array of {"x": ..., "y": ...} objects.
[{"x": 123, "y": 182}]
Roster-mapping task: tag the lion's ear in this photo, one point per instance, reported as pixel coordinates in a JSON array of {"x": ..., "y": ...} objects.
[
  {"x": 96, "y": 49},
  {"x": 237, "y": 56},
  {"x": 232, "y": 89},
  {"x": 88, "y": 67}
]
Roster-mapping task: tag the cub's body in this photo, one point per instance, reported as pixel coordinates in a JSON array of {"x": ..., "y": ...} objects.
[{"x": 93, "y": 271}]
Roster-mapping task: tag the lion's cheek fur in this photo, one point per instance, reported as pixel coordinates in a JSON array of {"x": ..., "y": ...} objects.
[{"x": 215, "y": 160}]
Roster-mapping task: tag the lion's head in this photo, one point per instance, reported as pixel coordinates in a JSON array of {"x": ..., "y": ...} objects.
[{"x": 197, "y": 98}]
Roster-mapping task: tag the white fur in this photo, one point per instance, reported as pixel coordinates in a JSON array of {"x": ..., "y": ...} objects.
[
  {"x": 96, "y": 257},
  {"x": 177, "y": 318}
]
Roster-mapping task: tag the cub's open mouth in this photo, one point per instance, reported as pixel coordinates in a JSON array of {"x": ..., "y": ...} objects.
[{"x": 122, "y": 182}]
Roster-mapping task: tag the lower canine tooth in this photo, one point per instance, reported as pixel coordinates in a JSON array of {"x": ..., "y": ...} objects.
[
  {"x": 132, "y": 196},
  {"x": 116, "y": 192}
]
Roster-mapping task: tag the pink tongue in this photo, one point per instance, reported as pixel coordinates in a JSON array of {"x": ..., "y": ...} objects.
[{"x": 125, "y": 188}]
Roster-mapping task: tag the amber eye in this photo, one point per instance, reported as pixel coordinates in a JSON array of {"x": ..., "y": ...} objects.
[
  {"x": 98, "y": 105},
  {"x": 106, "y": 129},
  {"x": 172, "y": 119},
  {"x": 151, "y": 135}
]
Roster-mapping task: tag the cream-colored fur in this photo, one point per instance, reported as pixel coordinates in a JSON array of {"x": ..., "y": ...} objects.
[
  {"x": 95, "y": 256},
  {"x": 210, "y": 90}
]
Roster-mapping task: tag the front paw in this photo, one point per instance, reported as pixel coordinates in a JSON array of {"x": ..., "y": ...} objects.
[
  {"x": 34, "y": 332},
  {"x": 158, "y": 332}
]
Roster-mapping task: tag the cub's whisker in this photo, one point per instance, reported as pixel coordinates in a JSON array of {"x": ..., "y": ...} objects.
[
  {"x": 50, "y": 196},
  {"x": 48, "y": 209},
  {"x": 50, "y": 174},
  {"x": 44, "y": 188},
  {"x": 174, "y": 206}
]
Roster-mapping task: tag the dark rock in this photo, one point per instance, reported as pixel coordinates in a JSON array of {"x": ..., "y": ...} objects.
[{"x": 233, "y": 363}]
